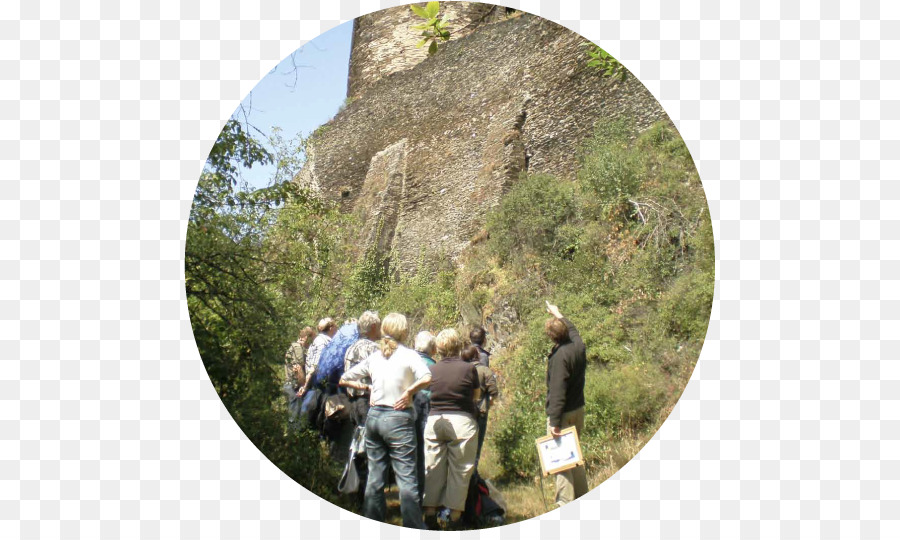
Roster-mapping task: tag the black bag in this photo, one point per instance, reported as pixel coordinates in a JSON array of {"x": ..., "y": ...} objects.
[
  {"x": 481, "y": 510},
  {"x": 334, "y": 418}
]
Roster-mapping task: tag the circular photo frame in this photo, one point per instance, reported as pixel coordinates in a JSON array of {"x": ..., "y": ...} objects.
[{"x": 449, "y": 265}]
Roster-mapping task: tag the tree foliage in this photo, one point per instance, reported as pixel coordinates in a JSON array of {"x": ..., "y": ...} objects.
[{"x": 255, "y": 261}]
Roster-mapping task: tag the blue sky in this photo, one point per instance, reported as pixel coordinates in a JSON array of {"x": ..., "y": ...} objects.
[{"x": 320, "y": 90}]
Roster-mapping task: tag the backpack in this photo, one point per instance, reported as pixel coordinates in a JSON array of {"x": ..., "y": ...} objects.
[
  {"x": 481, "y": 509},
  {"x": 331, "y": 361}
]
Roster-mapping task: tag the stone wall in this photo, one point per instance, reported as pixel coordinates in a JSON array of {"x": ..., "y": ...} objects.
[
  {"x": 384, "y": 43},
  {"x": 430, "y": 149}
]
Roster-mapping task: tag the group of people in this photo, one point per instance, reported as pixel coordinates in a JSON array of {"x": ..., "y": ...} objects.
[{"x": 424, "y": 410}]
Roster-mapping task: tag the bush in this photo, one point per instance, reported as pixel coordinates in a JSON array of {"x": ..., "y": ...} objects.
[
  {"x": 513, "y": 438},
  {"x": 368, "y": 281},
  {"x": 684, "y": 309},
  {"x": 637, "y": 284},
  {"x": 428, "y": 299},
  {"x": 610, "y": 171},
  {"x": 522, "y": 373},
  {"x": 529, "y": 215},
  {"x": 624, "y": 399}
]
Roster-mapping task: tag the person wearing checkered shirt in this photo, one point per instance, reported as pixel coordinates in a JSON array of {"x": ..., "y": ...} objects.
[
  {"x": 369, "y": 325},
  {"x": 295, "y": 372},
  {"x": 327, "y": 329}
]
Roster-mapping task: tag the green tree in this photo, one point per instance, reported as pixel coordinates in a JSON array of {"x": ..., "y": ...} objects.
[{"x": 253, "y": 258}]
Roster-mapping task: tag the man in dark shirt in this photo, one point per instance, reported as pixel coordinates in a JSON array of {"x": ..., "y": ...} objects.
[
  {"x": 477, "y": 337},
  {"x": 565, "y": 395}
]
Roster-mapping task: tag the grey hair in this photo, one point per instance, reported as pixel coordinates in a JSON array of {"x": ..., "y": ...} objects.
[
  {"x": 425, "y": 342},
  {"x": 367, "y": 321}
]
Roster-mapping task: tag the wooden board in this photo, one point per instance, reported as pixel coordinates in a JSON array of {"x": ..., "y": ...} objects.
[{"x": 561, "y": 454}]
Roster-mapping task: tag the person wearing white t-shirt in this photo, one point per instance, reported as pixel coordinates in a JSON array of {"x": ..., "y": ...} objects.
[{"x": 396, "y": 373}]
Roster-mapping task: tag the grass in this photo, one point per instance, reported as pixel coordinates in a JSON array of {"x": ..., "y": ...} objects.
[{"x": 533, "y": 496}]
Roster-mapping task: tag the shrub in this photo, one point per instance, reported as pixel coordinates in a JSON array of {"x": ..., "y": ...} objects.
[
  {"x": 684, "y": 309},
  {"x": 513, "y": 438},
  {"x": 368, "y": 281},
  {"x": 638, "y": 285},
  {"x": 529, "y": 215},
  {"x": 625, "y": 398},
  {"x": 521, "y": 370},
  {"x": 428, "y": 299},
  {"x": 610, "y": 172},
  {"x": 662, "y": 138}
]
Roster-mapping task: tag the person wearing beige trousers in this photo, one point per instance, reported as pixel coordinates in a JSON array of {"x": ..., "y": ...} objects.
[
  {"x": 451, "y": 434},
  {"x": 565, "y": 395},
  {"x": 572, "y": 483}
]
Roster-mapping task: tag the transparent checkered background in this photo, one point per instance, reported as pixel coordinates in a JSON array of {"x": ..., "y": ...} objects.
[{"x": 110, "y": 428}]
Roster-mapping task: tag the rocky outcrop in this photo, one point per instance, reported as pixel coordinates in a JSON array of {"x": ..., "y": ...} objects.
[{"x": 380, "y": 196}]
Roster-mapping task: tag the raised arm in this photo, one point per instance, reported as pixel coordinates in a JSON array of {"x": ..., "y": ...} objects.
[{"x": 573, "y": 332}]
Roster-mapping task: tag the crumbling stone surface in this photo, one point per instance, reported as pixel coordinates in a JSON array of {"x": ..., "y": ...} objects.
[
  {"x": 381, "y": 194},
  {"x": 442, "y": 140},
  {"x": 384, "y": 43}
]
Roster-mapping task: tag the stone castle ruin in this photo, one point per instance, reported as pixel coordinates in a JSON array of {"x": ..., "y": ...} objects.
[{"x": 426, "y": 146}]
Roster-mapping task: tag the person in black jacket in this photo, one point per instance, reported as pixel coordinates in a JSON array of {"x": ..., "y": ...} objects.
[
  {"x": 477, "y": 337},
  {"x": 565, "y": 395}
]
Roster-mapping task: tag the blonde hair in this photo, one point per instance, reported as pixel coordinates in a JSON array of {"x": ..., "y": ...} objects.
[
  {"x": 448, "y": 343},
  {"x": 394, "y": 329}
]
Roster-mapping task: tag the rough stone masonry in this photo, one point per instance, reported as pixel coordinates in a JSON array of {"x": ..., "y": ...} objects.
[{"x": 427, "y": 145}]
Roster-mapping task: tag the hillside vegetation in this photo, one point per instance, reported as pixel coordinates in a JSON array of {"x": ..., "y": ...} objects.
[{"x": 626, "y": 251}]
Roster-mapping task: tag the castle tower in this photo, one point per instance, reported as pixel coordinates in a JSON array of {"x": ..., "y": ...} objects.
[
  {"x": 385, "y": 43},
  {"x": 428, "y": 145}
]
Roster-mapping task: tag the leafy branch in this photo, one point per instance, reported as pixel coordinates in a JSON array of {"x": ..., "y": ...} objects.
[
  {"x": 605, "y": 62},
  {"x": 433, "y": 29}
]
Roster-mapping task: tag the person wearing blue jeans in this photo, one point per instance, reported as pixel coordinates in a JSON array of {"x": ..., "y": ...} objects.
[
  {"x": 391, "y": 442},
  {"x": 396, "y": 374}
]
